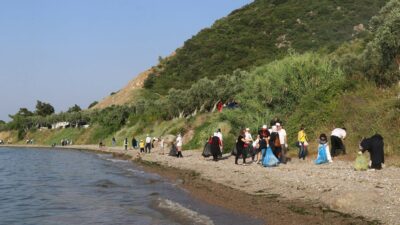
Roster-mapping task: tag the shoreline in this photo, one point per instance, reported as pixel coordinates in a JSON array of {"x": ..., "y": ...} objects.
[{"x": 264, "y": 197}]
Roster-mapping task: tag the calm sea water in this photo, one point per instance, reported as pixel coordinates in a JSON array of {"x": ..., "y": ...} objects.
[{"x": 40, "y": 186}]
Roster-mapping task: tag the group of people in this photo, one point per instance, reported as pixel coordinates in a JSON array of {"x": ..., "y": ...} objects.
[
  {"x": 65, "y": 142},
  {"x": 145, "y": 145},
  {"x": 270, "y": 146},
  {"x": 231, "y": 104}
]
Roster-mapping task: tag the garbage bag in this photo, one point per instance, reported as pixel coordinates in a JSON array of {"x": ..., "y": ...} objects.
[{"x": 361, "y": 163}]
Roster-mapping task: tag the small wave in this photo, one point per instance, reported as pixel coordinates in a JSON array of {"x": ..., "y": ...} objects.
[
  {"x": 105, "y": 184},
  {"x": 181, "y": 214},
  {"x": 134, "y": 171},
  {"x": 116, "y": 160}
]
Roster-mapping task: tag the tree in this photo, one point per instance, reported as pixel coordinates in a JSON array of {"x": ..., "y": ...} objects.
[
  {"x": 74, "y": 108},
  {"x": 380, "y": 55},
  {"x": 44, "y": 109},
  {"x": 24, "y": 112},
  {"x": 93, "y": 104}
]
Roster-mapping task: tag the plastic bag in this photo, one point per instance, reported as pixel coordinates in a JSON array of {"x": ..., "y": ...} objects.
[
  {"x": 207, "y": 150},
  {"x": 361, "y": 163}
]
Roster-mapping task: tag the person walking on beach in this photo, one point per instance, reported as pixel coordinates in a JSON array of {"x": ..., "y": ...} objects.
[
  {"x": 302, "y": 143},
  {"x": 256, "y": 148},
  {"x": 215, "y": 146},
  {"x": 134, "y": 142},
  {"x": 126, "y": 144},
  {"x": 141, "y": 146},
  {"x": 162, "y": 145},
  {"x": 113, "y": 141},
  {"x": 337, "y": 137},
  {"x": 248, "y": 147},
  {"x": 283, "y": 140},
  {"x": 240, "y": 146},
  {"x": 275, "y": 142},
  {"x": 148, "y": 144},
  {"x": 374, "y": 145},
  {"x": 219, "y": 134},
  {"x": 179, "y": 143},
  {"x": 324, "y": 154}
]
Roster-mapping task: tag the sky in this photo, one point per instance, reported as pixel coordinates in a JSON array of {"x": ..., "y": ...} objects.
[{"x": 79, "y": 51}]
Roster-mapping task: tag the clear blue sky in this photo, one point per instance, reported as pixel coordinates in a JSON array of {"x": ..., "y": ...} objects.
[{"x": 78, "y": 51}]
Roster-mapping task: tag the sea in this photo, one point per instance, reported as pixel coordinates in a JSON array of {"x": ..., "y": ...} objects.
[{"x": 52, "y": 186}]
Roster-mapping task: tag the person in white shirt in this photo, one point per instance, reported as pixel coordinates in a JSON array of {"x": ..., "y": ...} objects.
[
  {"x": 162, "y": 145},
  {"x": 148, "y": 144},
  {"x": 219, "y": 135},
  {"x": 247, "y": 135},
  {"x": 179, "y": 143},
  {"x": 337, "y": 137},
  {"x": 283, "y": 141}
]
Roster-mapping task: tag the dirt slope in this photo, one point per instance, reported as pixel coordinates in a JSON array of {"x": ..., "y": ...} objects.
[{"x": 126, "y": 94}]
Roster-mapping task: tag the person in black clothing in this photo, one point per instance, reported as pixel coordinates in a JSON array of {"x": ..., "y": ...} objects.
[
  {"x": 134, "y": 142},
  {"x": 263, "y": 143},
  {"x": 375, "y": 146},
  {"x": 215, "y": 146},
  {"x": 275, "y": 143},
  {"x": 240, "y": 147},
  {"x": 126, "y": 144}
]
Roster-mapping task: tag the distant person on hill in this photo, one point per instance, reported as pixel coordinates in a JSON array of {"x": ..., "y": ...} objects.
[
  {"x": 113, "y": 141},
  {"x": 215, "y": 146},
  {"x": 179, "y": 143},
  {"x": 374, "y": 145},
  {"x": 283, "y": 140},
  {"x": 324, "y": 155},
  {"x": 337, "y": 137},
  {"x": 302, "y": 143},
  {"x": 126, "y": 143},
  {"x": 220, "y": 105},
  {"x": 134, "y": 142},
  {"x": 240, "y": 147},
  {"x": 148, "y": 144},
  {"x": 141, "y": 146}
]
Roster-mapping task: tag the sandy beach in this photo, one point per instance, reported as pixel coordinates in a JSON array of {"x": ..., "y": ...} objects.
[{"x": 296, "y": 193}]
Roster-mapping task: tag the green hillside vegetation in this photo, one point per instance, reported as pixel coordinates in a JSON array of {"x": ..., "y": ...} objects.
[
  {"x": 339, "y": 81},
  {"x": 262, "y": 32}
]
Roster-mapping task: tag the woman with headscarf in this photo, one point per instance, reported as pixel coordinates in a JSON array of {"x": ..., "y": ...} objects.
[
  {"x": 324, "y": 154},
  {"x": 240, "y": 147},
  {"x": 263, "y": 142},
  {"x": 269, "y": 159},
  {"x": 274, "y": 142},
  {"x": 215, "y": 147},
  {"x": 374, "y": 145}
]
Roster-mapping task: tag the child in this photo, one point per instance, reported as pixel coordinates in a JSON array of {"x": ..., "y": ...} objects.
[
  {"x": 141, "y": 146},
  {"x": 324, "y": 154}
]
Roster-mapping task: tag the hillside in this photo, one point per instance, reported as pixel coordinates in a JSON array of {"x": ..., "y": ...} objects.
[
  {"x": 127, "y": 94},
  {"x": 264, "y": 31}
]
